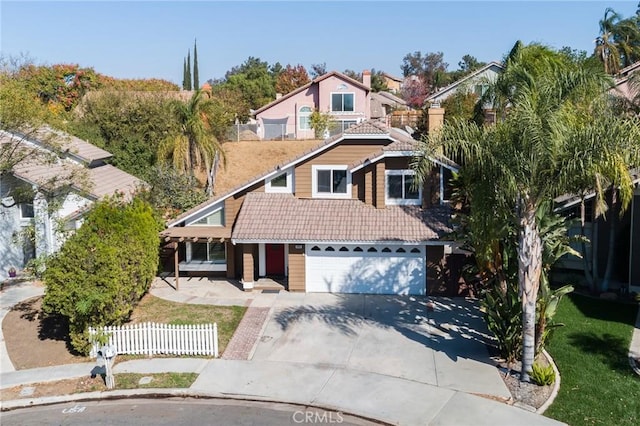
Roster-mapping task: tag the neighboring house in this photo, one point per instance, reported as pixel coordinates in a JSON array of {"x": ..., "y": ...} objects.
[
  {"x": 384, "y": 103},
  {"x": 289, "y": 116},
  {"x": 477, "y": 82},
  {"x": 344, "y": 217},
  {"x": 623, "y": 86},
  {"x": 58, "y": 180},
  {"x": 626, "y": 256},
  {"x": 394, "y": 84}
]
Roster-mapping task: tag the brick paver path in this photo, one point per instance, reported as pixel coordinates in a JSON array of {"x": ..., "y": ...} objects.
[{"x": 246, "y": 334}]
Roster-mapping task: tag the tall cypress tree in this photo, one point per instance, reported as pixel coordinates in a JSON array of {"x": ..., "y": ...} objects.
[
  {"x": 196, "y": 80},
  {"x": 189, "y": 70},
  {"x": 184, "y": 73}
]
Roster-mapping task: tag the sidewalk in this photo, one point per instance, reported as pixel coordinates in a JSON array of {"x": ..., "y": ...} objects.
[{"x": 376, "y": 396}]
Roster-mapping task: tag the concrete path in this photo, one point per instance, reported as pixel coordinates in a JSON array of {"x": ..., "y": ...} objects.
[{"x": 634, "y": 348}]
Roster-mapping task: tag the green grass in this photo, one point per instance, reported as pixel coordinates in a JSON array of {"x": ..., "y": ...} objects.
[
  {"x": 598, "y": 386},
  {"x": 159, "y": 380},
  {"x": 154, "y": 309}
]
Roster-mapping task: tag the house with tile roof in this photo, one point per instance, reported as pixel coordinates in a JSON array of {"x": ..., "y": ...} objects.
[
  {"x": 54, "y": 179},
  {"x": 341, "y": 217},
  {"x": 289, "y": 116}
]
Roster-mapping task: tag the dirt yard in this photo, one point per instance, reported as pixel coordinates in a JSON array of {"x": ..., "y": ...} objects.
[{"x": 35, "y": 341}]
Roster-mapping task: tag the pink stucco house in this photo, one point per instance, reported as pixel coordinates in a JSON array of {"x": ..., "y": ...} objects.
[{"x": 288, "y": 117}]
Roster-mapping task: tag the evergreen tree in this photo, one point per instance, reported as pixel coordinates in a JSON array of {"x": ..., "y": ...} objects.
[
  {"x": 184, "y": 74},
  {"x": 196, "y": 82},
  {"x": 188, "y": 70}
]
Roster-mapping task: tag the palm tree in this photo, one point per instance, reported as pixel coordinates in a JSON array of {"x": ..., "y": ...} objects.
[
  {"x": 527, "y": 155},
  {"x": 618, "y": 44},
  {"x": 194, "y": 148}
]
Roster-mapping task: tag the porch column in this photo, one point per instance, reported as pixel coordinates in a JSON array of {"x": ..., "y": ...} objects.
[
  {"x": 247, "y": 267},
  {"x": 176, "y": 264}
]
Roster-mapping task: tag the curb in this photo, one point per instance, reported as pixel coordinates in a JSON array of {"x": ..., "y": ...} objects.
[
  {"x": 556, "y": 385},
  {"x": 162, "y": 393}
]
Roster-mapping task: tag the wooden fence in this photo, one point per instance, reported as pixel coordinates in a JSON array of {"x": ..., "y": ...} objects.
[{"x": 150, "y": 339}]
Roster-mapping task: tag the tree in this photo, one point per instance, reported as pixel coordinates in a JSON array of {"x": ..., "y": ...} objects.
[
  {"x": 185, "y": 71},
  {"x": 527, "y": 154},
  {"x": 103, "y": 270},
  {"x": 196, "y": 77},
  {"x": 291, "y": 78},
  {"x": 193, "y": 148},
  {"x": 470, "y": 63},
  {"x": 618, "y": 44},
  {"x": 253, "y": 80},
  {"x": 460, "y": 106},
  {"x": 378, "y": 82},
  {"x": 317, "y": 70},
  {"x": 188, "y": 77},
  {"x": 414, "y": 91},
  {"x": 431, "y": 68}
]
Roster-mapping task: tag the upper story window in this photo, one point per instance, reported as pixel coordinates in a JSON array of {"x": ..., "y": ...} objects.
[
  {"x": 282, "y": 182},
  {"x": 401, "y": 188},
  {"x": 304, "y": 118},
  {"x": 342, "y": 102},
  {"x": 26, "y": 211},
  {"x": 214, "y": 219},
  {"x": 331, "y": 182}
]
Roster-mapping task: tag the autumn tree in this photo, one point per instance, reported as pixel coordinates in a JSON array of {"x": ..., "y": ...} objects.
[
  {"x": 291, "y": 78},
  {"x": 318, "y": 69}
]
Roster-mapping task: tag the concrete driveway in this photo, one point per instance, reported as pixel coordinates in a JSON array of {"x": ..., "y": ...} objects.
[{"x": 397, "y": 336}]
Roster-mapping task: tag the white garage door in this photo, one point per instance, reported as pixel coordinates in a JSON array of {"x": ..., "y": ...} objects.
[{"x": 365, "y": 269}]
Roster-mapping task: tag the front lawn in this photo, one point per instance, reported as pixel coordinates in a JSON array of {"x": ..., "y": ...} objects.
[{"x": 591, "y": 351}]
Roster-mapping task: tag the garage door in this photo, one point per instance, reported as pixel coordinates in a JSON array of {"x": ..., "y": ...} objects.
[{"x": 365, "y": 269}]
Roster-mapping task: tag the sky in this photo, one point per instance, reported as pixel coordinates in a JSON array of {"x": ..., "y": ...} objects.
[{"x": 145, "y": 39}]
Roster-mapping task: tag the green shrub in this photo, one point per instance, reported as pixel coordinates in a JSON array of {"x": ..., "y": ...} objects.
[
  {"x": 543, "y": 376},
  {"x": 104, "y": 269},
  {"x": 503, "y": 315}
]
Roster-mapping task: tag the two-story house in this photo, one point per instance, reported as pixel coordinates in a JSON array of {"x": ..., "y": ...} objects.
[
  {"x": 289, "y": 116},
  {"x": 344, "y": 217},
  {"x": 46, "y": 192}
]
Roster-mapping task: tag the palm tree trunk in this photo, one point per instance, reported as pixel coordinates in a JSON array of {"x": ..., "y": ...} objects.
[
  {"x": 529, "y": 271},
  {"x": 211, "y": 174},
  {"x": 585, "y": 259},
  {"x": 613, "y": 218}
]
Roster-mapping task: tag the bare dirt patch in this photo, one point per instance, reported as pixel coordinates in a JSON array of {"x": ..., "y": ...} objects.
[{"x": 35, "y": 340}]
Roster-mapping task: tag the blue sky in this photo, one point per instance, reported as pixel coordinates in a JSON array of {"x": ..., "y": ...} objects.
[{"x": 150, "y": 39}]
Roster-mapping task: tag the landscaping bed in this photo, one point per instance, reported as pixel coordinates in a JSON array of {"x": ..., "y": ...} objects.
[{"x": 34, "y": 340}]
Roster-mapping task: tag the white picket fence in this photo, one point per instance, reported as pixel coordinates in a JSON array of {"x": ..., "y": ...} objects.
[{"x": 150, "y": 339}]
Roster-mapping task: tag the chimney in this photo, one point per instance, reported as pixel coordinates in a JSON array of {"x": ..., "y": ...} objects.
[
  {"x": 366, "y": 78},
  {"x": 278, "y": 95},
  {"x": 435, "y": 118}
]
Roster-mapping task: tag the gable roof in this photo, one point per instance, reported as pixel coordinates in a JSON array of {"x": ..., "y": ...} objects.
[
  {"x": 463, "y": 80},
  {"x": 370, "y": 128},
  {"x": 319, "y": 220},
  {"x": 70, "y": 145},
  {"x": 393, "y": 77},
  {"x": 306, "y": 86}
]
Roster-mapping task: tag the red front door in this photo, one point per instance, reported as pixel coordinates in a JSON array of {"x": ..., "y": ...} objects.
[{"x": 275, "y": 259}]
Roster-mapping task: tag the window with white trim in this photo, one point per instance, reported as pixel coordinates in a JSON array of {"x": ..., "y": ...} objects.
[
  {"x": 207, "y": 252},
  {"x": 282, "y": 182},
  {"x": 402, "y": 188},
  {"x": 343, "y": 102},
  {"x": 331, "y": 182},
  {"x": 304, "y": 118},
  {"x": 214, "y": 219}
]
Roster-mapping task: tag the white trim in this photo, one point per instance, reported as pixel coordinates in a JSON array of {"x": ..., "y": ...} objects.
[
  {"x": 204, "y": 212},
  {"x": 400, "y": 201},
  {"x": 305, "y": 114},
  {"x": 212, "y": 266},
  {"x": 395, "y": 154},
  {"x": 288, "y": 189},
  {"x": 314, "y": 182},
  {"x": 262, "y": 260},
  {"x": 343, "y": 111}
]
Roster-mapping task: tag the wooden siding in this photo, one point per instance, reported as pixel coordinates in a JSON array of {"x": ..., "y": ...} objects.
[
  {"x": 397, "y": 163},
  {"x": 380, "y": 185},
  {"x": 231, "y": 259},
  {"x": 248, "y": 262},
  {"x": 345, "y": 153},
  {"x": 232, "y": 204},
  {"x": 368, "y": 186},
  {"x": 297, "y": 275}
]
